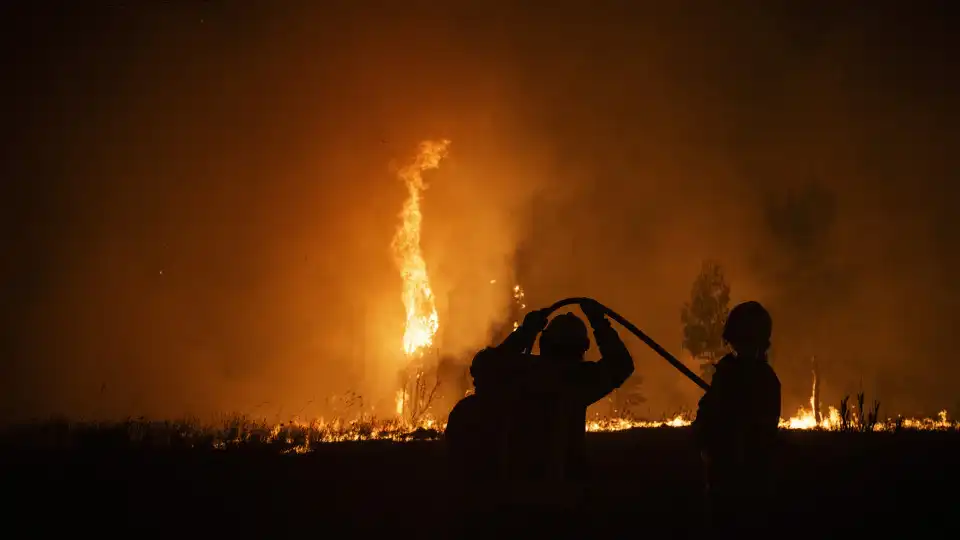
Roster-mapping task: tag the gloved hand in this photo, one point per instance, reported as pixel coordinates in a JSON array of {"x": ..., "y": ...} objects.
[
  {"x": 536, "y": 320},
  {"x": 594, "y": 312}
]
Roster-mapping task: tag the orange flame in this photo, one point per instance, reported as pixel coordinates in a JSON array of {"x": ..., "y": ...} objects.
[
  {"x": 422, "y": 321},
  {"x": 518, "y": 297}
]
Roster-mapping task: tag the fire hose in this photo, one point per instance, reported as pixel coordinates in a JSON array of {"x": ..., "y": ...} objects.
[{"x": 637, "y": 332}]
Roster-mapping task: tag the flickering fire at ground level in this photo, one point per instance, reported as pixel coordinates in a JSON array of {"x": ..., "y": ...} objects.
[
  {"x": 415, "y": 408},
  {"x": 299, "y": 437}
]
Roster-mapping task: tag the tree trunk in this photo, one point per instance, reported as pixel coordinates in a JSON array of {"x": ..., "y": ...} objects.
[{"x": 815, "y": 398}]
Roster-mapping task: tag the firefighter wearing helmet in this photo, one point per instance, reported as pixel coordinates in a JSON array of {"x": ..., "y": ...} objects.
[
  {"x": 526, "y": 472},
  {"x": 737, "y": 422}
]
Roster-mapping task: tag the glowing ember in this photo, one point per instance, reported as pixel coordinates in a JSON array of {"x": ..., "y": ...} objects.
[
  {"x": 518, "y": 298},
  {"x": 422, "y": 321}
]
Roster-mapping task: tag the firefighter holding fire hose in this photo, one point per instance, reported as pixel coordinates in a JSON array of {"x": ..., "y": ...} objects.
[
  {"x": 563, "y": 344},
  {"x": 519, "y": 441}
]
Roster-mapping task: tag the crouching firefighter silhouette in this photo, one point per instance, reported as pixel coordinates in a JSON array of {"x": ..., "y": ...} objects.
[
  {"x": 517, "y": 445},
  {"x": 736, "y": 425}
]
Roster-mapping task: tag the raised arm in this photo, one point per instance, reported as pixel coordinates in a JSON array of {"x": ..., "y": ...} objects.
[
  {"x": 522, "y": 339},
  {"x": 597, "y": 379}
]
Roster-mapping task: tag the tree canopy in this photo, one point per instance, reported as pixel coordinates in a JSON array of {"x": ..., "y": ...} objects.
[{"x": 704, "y": 315}]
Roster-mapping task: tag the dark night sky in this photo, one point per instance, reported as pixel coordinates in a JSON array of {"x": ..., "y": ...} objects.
[{"x": 245, "y": 152}]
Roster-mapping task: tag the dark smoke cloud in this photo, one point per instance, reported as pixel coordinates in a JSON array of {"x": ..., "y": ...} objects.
[{"x": 246, "y": 157}]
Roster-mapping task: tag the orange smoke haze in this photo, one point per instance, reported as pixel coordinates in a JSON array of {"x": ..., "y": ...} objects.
[{"x": 202, "y": 213}]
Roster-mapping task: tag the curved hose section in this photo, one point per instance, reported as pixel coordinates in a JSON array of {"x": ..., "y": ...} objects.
[{"x": 639, "y": 333}]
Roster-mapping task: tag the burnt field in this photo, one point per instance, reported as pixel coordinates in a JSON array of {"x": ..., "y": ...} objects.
[{"x": 646, "y": 481}]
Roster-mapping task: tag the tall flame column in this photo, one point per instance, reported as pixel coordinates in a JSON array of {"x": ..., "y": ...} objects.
[{"x": 422, "y": 321}]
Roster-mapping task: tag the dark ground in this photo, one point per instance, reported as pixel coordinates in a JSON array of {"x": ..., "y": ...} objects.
[{"x": 647, "y": 483}]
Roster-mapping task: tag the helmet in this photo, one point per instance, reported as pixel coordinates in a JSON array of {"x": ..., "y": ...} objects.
[
  {"x": 485, "y": 368},
  {"x": 565, "y": 336},
  {"x": 748, "y": 326}
]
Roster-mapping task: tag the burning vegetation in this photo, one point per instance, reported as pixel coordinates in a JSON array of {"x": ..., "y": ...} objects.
[
  {"x": 417, "y": 414},
  {"x": 416, "y": 393},
  {"x": 299, "y": 436},
  {"x": 419, "y": 381}
]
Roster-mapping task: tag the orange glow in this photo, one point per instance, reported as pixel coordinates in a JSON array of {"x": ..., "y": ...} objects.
[
  {"x": 422, "y": 321},
  {"x": 301, "y": 435}
]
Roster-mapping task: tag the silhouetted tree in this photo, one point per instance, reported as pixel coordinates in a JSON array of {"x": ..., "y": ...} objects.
[
  {"x": 704, "y": 315},
  {"x": 419, "y": 384}
]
